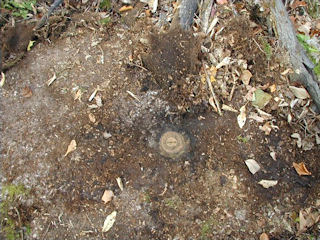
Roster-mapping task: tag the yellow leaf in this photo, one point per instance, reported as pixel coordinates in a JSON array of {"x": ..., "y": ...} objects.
[
  {"x": 125, "y": 8},
  {"x": 30, "y": 45}
]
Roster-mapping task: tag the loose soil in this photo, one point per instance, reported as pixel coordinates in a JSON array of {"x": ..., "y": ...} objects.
[{"x": 205, "y": 193}]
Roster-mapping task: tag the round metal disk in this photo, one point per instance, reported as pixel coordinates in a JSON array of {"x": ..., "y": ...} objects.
[{"x": 173, "y": 144}]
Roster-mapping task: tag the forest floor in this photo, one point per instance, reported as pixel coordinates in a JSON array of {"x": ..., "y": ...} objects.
[{"x": 114, "y": 91}]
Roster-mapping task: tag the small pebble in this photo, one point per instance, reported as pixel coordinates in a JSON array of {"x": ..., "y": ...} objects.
[{"x": 106, "y": 135}]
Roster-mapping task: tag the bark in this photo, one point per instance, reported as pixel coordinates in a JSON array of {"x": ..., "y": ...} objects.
[
  {"x": 300, "y": 61},
  {"x": 185, "y": 14}
]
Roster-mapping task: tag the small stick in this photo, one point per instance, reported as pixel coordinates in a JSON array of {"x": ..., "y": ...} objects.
[
  {"x": 45, "y": 17},
  {"x": 211, "y": 90},
  {"x": 233, "y": 88},
  {"x": 258, "y": 46},
  {"x": 134, "y": 96}
]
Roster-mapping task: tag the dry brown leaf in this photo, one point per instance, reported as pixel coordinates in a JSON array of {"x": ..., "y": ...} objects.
[
  {"x": 92, "y": 118},
  {"x": 148, "y": 13},
  {"x": 268, "y": 183},
  {"x": 228, "y": 108},
  {"x": 307, "y": 218},
  {"x": 125, "y": 8},
  {"x": 245, "y": 77},
  {"x": 301, "y": 169},
  {"x": 300, "y": 93},
  {"x": 109, "y": 221},
  {"x": 120, "y": 184},
  {"x": 220, "y": 2},
  {"x": 3, "y": 79},
  {"x": 242, "y": 117},
  {"x": 264, "y": 236},
  {"x": 266, "y": 128},
  {"x": 298, "y": 3},
  {"x": 273, "y": 88},
  {"x": 252, "y": 165},
  {"x": 107, "y": 196},
  {"x": 72, "y": 146},
  {"x": 26, "y": 92},
  {"x": 78, "y": 95}
]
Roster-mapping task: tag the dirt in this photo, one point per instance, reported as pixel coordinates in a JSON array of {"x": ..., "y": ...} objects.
[{"x": 206, "y": 193}]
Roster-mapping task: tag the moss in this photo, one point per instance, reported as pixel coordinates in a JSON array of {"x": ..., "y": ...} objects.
[{"x": 11, "y": 226}]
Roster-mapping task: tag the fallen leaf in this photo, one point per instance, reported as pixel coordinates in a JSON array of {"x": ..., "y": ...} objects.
[
  {"x": 300, "y": 93},
  {"x": 285, "y": 72},
  {"x": 92, "y": 118},
  {"x": 245, "y": 77},
  {"x": 98, "y": 101},
  {"x": 242, "y": 116},
  {"x": 273, "y": 155},
  {"x": 266, "y": 116},
  {"x": 107, "y": 196},
  {"x": 298, "y": 3},
  {"x": 252, "y": 165},
  {"x": 307, "y": 218},
  {"x": 249, "y": 95},
  {"x": 297, "y": 136},
  {"x": 273, "y": 88},
  {"x": 307, "y": 144},
  {"x": 106, "y": 135},
  {"x": 228, "y": 108},
  {"x": 260, "y": 99},
  {"x": 30, "y": 45},
  {"x": 3, "y": 79},
  {"x": 317, "y": 139},
  {"x": 26, "y": 92},
  {"x": 72, "y": 146},
  {"x": 108, "y": 223},
  {"x": 148, "y": 13},
  {"x": 264, "y": 236},
  {"x": 220, "y": 2},
  {"x": 120, "y": 184},
  {"x": 51, "y": 80},
  {"x": 268, "y": 183},
  {"x": 256, "y": 117},
  {"x": 289, "y": 119},
  {"x": 301, "y": 169},
  {"x": 78, "y": 95},
  {"x": 125, "y": 9},
  {"x": 213, "y": 71},
  {"x": 226, "y": 61},
  {"x": 266, "y": 128},
  {"x": 305, "y": 28}
]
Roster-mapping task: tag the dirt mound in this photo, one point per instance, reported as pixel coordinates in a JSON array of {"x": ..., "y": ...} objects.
[{"x": 173, "y": 56}]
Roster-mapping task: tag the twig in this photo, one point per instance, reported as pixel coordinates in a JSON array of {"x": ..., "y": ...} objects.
[
  {"x": 102, "y": 55},
  {"x": 98, "y": 5},
  {"x": 18, "y": 215},
  {"x": 211, "y": 90},
  {"x": 45, "y": 17},
  {"x": 46, "y": 232},
  {"x": 134, "y": 96},
  {"x": 258, "y": 46},
  {"x": 136, "y": 65},
  {"x": 233, "y": 88}
]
